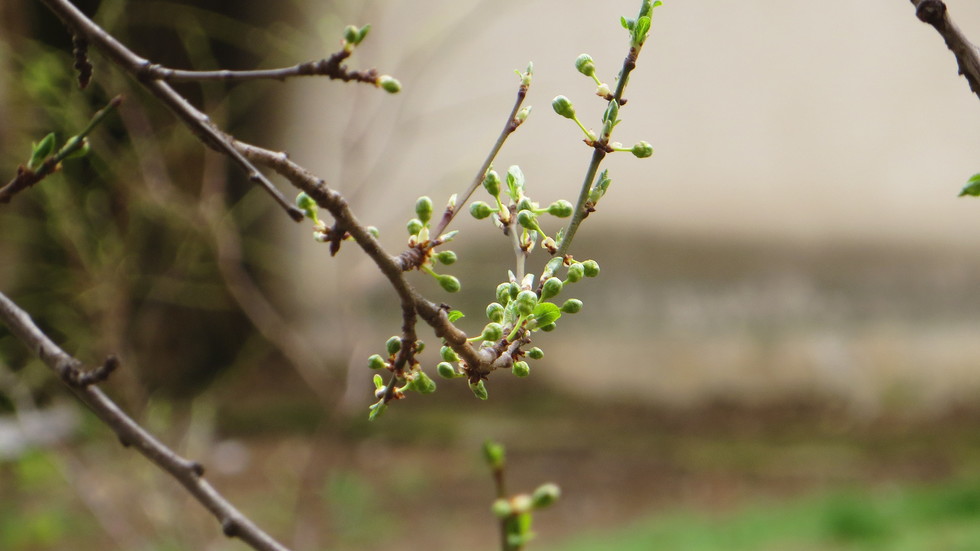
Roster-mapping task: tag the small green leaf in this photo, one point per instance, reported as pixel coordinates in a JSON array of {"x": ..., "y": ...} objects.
[
  {"x": 515, "y": 182},
  {"x": 479, "y": 390},
  {"x": 641, "y": 30},
  {"x": 972, "y": 187},
  {"x": 41, "y": 150},
  {"x": 545, "y": 313},
  {"x": 377, "y": 409},
  {"x": 454, "y": 315}
]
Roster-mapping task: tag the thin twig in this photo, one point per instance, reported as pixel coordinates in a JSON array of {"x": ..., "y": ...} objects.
[
  {"x": 967, "y": 54},
  {"x": 189, "y": 473},
  {"x": 331, "y": 67},
  {"x": 509, "y": 127}
]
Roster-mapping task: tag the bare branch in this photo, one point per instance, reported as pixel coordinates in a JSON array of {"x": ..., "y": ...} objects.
[
  {"x": 331, "y": 67},
  {"x": 967, "y": 54},
  {"x": 189, "y": 473}
]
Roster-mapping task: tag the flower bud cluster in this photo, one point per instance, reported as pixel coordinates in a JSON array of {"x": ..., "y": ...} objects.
[{"x": 419, "y": 239}]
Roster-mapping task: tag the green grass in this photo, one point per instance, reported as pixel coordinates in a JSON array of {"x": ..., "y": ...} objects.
[{"x": 903, "y": 518}]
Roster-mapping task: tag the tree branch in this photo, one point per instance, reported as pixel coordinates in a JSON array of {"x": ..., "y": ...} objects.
[
  {"x": 189, "y": 473},
  {"x": 967, "y": 54}
]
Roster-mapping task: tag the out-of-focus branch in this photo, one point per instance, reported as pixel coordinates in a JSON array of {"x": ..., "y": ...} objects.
[
  {"x": 189, "y": 473},
  {"x": 967, "y": 54},
  {"x": 141, "y": 69},
  {"x": 331, "y": 67}
]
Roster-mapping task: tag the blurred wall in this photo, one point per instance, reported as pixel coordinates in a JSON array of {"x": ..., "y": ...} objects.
[{"x": 798, "y": 131}]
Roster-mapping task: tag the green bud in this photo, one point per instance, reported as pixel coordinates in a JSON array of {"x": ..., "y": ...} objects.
[
  {"x": 448, "y": 283},
  {"x": 563, "y": 107},
  {"x": 377, "y": 409},
  {"x": 590, "y": 268},
  {"x": 526, "y": 301},
  {"x": 307, "y": 205},
  {"x": 585, "y": 65},
  {"x": 81, "y": 151},
  {"x": 575, "y": 272},
  {"x": 535, "y": 353},
  {"x": 548, "y": 328},
  {"x": 480, "y": 210},
  {"x": 374, "y": 231},
  {"x": 495, "y": 312},
  {"x": 350, "y": 34},
  {"x": 494, "y": 455},
  {"x": 419, "y": 347},
  {"x": 521, "y": 369},
  {"x": 545, "y": 495},
  {"x": 446, "y": 370},
  {"x": 479, "y": 390},
  {"x": 526, "y": 204},
  {"x": 522, "y": 115},
  {"x": 423, "y": 209},
  {"x": 414, "y": 226},
  {"x": 393, "y": 345},
  {"x": 501, "y": 508},
  {"x": 642, "y": 150},
  {"x": 552, "y": 286},
  {"x": 612, "y": 113},
  {"x": 527, "y": 220},
  {"x": 446, "y": 257},
  {"x": 389, "y": 84},
  {"x": 572, "y": 306},
  {"x": 363, "y": 33},
  {"x": 377, "y": 362},
  {"x": 423, "y": 384},
  {"x": 492, "y": 332},
  {"x": 560, "y": 208},
  {"x": 491, "y": 182},
  {"x": 448, "y": 354},
  {"x": 503, "y": 294}
]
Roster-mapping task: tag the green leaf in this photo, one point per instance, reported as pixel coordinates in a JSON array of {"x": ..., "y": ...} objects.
[
  {"x": 377, "y": 409},
  {"x": 41, "y": 150},
  {"x": 626, "y": 23},
  {"x": 972, "y": 187},
  {"x": 515, "y": 182},
  {"x": 640, "y": 30},
  {"x": 455, "y": 315},
  {"x": 544, "y": 313}
]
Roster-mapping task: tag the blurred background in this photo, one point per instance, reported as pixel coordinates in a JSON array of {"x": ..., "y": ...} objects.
[{"x": 780, "y": 352}]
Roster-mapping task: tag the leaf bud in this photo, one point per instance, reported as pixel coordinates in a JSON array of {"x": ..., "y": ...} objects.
[
  {"x": 389, "y": 84},
  {"x": 446, "y": 257},
  {"x": 446, "y": 370},
  {"x": 563, "y": 107},
  {"x": 526, "y": 219},
  {"x": 423, "y": 384},
  {"x": 494, "y": 455},
  {"x": 379, "y": 382},
  {"x": 501, "y": 508},
  {"x": 480, "y": 210},
  {"x": 590, "y": 268},
  {"x": 449, "y": 283},
  {"x": 585, "y": 65},
  {"x": 479, "y": 390},
  {"x": 307, "y": 205},
  {"x": 575, "y": 272},
  {"x": 522, "y": 115},
  {"x": 572, "y": 306},
  {"x": 642, "y": 150},
  {"x": 495, "y": 312},
  {"x": 374, "y": 231},
  {"x": 423, "y": 209},
  {"x": 350, "y": 34},
  {"x": 526, "y": 301},
  {"x": 377, "y": 409},
  {"x": 545, "y": 495},
  {"x": 552, "y": 286},
  {"x": 535, "y": 353},
  {"x": 448, "y": 354},
  {"x": 377, "y": 362},
  {"x": 492, "y": 332},
  {"x": 521, "y": 369},
  {"x": 491, "y": 182},
  {"x": 414, "y": 226},
  {"x": 81, "y": 151},
  {"x": 393, "y": 345},
  {"x": 560, "y": 208}
]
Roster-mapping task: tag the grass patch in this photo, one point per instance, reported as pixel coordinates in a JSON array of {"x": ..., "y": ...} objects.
[{"x": 943, "y": 516}]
